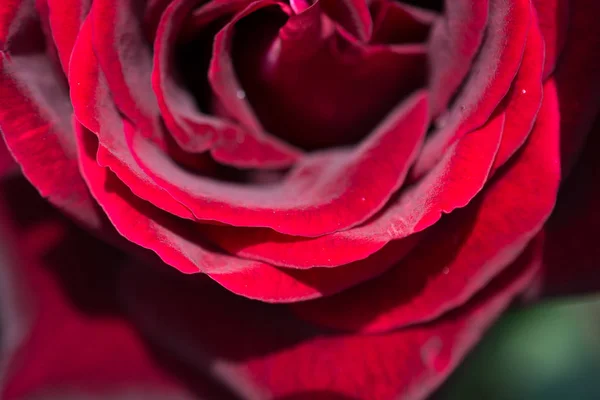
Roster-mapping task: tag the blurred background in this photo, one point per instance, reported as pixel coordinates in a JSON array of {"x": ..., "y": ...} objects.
[{"x": 550, "y": 351}]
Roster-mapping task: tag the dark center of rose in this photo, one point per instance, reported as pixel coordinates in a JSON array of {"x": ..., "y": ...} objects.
[{"x": 314, "y": 87}]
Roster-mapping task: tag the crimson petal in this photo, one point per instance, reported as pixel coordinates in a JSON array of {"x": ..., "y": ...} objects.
[
  {"x": 279, "y": 357},
  {"x": 465, "y": 250}
]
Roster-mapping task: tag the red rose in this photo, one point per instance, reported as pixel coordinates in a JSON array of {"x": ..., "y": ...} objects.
[{"x": 297, "y": 152}]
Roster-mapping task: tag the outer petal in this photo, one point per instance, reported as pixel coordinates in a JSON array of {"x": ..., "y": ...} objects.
[
  {"x": 490, "y": 77},
  {"x": 6, "y": 160},
  {"x": 35, "y": 114},
  {"x": 269, "y": 355},
  {"x": 463, "y": 251},
  {"x": 179, "y": 244},
  {"x": 63, "y": 336}
]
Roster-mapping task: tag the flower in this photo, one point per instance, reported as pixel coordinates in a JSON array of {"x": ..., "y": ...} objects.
[{"x": 382, "y": 171}]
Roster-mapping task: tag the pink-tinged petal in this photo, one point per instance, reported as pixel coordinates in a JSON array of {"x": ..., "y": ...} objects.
[
  {"x": 353, "y": 16},
  {"x": 194, "y": 131},
  {"x": 325, "y": 192},
  {"x": 314, "y": 86},
  {"x": 524, "y": 99},
  {"x": 94, "y": 108},
  {"x": 489, "y": 79},
  {"x": 464, "y": 251},
  {"x": 553, "y": 18},
  {"x": 577, "y": 79},
  {"x": 572, "y": 255},
  {"x": 455, "y": 39},
  {"x": 63, "y": 334},
  {"x": 66, "y": 17},
  {"x": 451, "y": 184},
  {"x": 35, "y": 114},
  {"x": 180, "y": 244},
  {"x": 269, "y": 354}
]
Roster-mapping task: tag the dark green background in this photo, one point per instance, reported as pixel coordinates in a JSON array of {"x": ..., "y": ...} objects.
[{"x": 550, "y": 351}]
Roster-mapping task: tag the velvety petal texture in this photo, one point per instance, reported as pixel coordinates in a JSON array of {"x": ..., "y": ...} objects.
[{"x": 289, "y": 199}]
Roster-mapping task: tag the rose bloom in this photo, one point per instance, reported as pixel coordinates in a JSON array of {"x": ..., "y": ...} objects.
[{"x": 328, "y": 199}]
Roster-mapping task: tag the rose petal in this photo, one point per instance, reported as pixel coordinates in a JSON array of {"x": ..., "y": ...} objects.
[
  {"x": 452, "y": 184},
  {"x": 194, "y": 131},
  {"x": 464, "y": 251},
  {"x": 94, "y": 108},
  {"x": 279, "y": 357},
  {"x": 63, "y": 336},
  {"x": 489, "y": 79},
  {"x": 35, "y": 114},
  {"x": 454, "y": 41},
  {"x": 553, "y": 18},
  {"x": 179, "y": 244},
  {"x": 313, "y": 86},
  {"x": 325, "y": 192}
]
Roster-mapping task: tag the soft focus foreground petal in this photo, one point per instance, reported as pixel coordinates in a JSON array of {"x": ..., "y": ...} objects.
[
  {"x": 180, "y": 244},
  {"x": 63, "y": 335},
  {"x": 465, "y": 250},
  {"x": 572, "y": 257},
  {"x": 314, "y": 87},
  {"x": 325, "y": 192},
  {"x": 577, "y": 79},
  {"x": 266, "y": 353},
  {"x": 35, "y": 114},
  {"x": 455, "y": 39},
  {"x": 94, "y": 108},
  {"x": 489, "y": 79}
]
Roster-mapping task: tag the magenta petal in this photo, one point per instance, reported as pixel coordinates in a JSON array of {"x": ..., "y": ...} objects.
[
  {"x": 35, "y": 116},
  {"x": 266, "y": 353},
  {"x": 490, "y": 77},
  {"x": 464, "y": 251},
  {"x": 325, "y": 192},
  {"x": 352, "y": 15}
]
